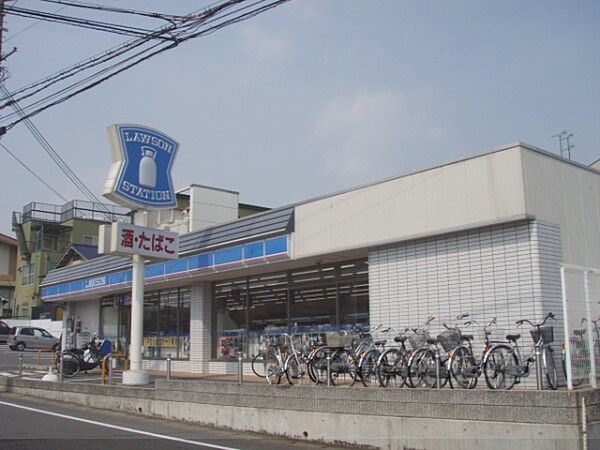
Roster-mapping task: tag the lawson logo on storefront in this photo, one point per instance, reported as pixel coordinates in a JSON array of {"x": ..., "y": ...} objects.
[
  {"x": 95, "y": 282},
  {"x": 140, "y": 175}
]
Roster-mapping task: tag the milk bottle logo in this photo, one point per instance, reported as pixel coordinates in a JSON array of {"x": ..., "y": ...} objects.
[
  {"x": 148, "y": 168},
  {"x": 140, "y": 176}
]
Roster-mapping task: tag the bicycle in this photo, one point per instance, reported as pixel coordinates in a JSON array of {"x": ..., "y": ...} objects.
[
  {"x": 580, "y": 355},
  {"x": 296, "y": 363},
  {"x": 392, "y": 365},
  {"x": 367, "y": 358},
  {"x": 259, "y": 361},
  {"x": 464, "y": 368},
  {"x": 504, "y": 365},
  {"x": 432, "y": 363},
  {"x": 275, "y": 361},
  {"x": 418, "y": 342}
]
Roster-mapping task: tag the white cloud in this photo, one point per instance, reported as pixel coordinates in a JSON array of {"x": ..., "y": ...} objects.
[
  {"x": 309, "y": 11},
  {"x": 356, "y": 134},
  {"x": 261, "y": 44},
  {"x": 372, "y": 134}
]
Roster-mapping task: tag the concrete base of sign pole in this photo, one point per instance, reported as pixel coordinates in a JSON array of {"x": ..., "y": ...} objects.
[
  {"x": 136, "y": 377},
  {"x": 50, "y": 376}
]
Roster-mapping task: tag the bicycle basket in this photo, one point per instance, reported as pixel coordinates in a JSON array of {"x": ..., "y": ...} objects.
[
  {"x": 419, "y": 339},
  {"x": 338, "y": 339},
  {"x": 547, "y": 334},
  {"x": 449, "y": 339}
]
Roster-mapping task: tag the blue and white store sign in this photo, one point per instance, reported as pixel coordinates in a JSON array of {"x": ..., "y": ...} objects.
[{"x": 140, "y": 175}]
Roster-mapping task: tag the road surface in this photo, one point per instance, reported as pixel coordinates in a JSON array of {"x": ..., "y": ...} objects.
[{"x": 33, "y": 424}]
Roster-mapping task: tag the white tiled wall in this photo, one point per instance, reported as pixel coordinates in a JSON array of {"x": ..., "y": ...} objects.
[{"x": 510, "y": 271}]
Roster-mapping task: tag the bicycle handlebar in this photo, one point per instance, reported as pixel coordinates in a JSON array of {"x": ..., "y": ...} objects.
[{"x": 535, "y": 325}]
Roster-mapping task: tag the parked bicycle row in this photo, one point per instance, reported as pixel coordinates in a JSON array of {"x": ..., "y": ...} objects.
[
  {"x": 410, "y": 357},
  {"x": 583, "y": 347}
]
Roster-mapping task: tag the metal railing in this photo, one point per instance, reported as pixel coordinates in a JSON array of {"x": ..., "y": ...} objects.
[
  {"x": 106, "y": 366},
  {"x": 75, "y": 209},
  {"x": 581, "y": 315}
]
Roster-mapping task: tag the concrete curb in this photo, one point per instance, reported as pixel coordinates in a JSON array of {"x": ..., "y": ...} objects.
[{"x": 386, "y": 418}]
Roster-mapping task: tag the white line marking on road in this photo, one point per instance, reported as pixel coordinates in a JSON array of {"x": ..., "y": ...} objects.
[{"x": 116, "y": 427}]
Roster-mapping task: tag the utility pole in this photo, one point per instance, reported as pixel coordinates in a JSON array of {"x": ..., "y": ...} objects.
[{"x": 1, "y": 29}]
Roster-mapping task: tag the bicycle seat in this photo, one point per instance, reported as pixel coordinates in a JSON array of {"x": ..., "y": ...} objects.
[
  {"x": 432, "y": 341},
  {"x": 382, "y": 342},
  {"x": 400, "y": 339},
  {"x": 466, "y": 337},
  {"x": 513, "y": 337}
]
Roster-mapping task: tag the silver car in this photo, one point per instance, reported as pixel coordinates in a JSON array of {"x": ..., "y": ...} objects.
[{"x": 21, "y": 338}]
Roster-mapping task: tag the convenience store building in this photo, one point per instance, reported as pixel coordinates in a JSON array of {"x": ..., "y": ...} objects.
[{"x": 486, "y": 235}]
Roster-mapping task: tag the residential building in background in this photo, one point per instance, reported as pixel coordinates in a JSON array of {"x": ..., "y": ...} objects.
[
  {"x": 8, "y": 270},
  {"x": 44, "y": 233},
  {"x": 54, "y": 236}
]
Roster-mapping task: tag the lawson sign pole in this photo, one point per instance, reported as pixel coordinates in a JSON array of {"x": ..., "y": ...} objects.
[
  {"x": 139, "y": 178},
  {"x": 137, "y": 375}
]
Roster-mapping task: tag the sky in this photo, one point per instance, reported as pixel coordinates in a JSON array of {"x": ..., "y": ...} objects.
[{"x": 316, "y": 96}]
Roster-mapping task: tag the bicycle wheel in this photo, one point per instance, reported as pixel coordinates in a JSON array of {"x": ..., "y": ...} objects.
[
  {"x": 294, "y": 369},
  {"x": 415, "y": 375},
  {"x": 317, "y": 366},
  {"x": 500, "y": 368},
  {"x": 70, "y": 364},
  {"x": 273, "y": 369},
  {"x": 463, "y": 368},
  {"x": 259, "y": 365},
  {"x": 344, "y": 370},
  {"x": 550, "y": 368},
  {"x": 366, "y": 368},
  {"x": 418, "y": 373},
  {"x": 390, "y": 367},
  {"x": 428, "y": 372}
]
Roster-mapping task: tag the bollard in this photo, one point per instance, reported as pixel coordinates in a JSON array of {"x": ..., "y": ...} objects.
[
  {"x": 168, "y": 366},
  {"x": 437, "y": 370},
  {"x": 328, "y": 370},
  {"x": 21, "y": 365},
  {"x": 60, "y": 371},
  {"x": 538, "y": 367},
  {"x": 240, "y": 367},
  {"x": 110, "y": 368}
]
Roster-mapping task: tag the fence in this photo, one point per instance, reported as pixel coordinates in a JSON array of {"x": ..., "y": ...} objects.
[
  {"x": 581, "y": 315},
  {"x": 54, "y": 327}
]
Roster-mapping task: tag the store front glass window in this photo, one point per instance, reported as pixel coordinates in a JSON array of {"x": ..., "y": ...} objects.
[
  {"x": 166, "y": 323},
  {"x": 313, "y": 300},
  {"x": 313, "y": 309},
  {"x": 229, "y": 318},
  {"x": 267, "y": 309}
]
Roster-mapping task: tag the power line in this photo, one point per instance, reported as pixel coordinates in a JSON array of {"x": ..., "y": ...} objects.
[
  {"x": 191, "y": 26},
  {"x": 57, "y": 158},
  {"x": 154, "y": 15},
  {"x": 18, "y": 33},
  {"x": 76, "y": 21},
  {"x": 31, "y": 171}
]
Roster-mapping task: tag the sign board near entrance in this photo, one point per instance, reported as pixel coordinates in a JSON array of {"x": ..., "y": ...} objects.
[
  {"x": 140, "y": 175},
  {"x": 128, "y": 240}
]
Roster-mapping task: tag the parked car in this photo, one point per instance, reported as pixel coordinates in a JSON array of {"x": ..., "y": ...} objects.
[
  {"x": 21, "y": 338},
  {"x": 4, "y": 331}
]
